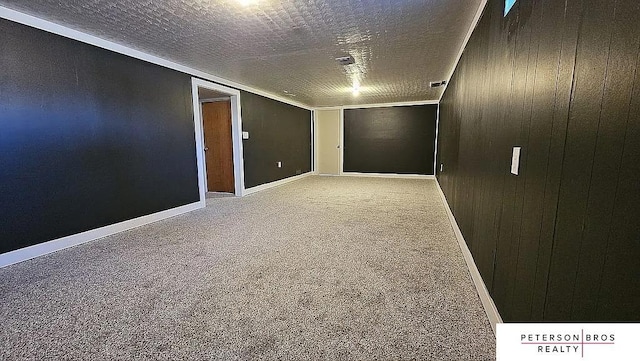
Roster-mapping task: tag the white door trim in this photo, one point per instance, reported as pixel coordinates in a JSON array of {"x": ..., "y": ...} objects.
[
  {"x": 314, "y": 143},
  {"x": 341, "y": 169},
  {"x": 213, "y": 100},
  {"x": 435, "y": 146},
  {"x": 236, "y": 134}
]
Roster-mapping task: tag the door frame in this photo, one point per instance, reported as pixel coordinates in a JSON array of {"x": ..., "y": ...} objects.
[
  {"x": 342, "y": 108},
  {"x": 316, "y": 141},
  {"x": 341, "y": 159},
  {"x": 236, "y": 135}
]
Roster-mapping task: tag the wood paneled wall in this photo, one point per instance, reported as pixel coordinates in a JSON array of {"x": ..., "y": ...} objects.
[{"x": 561, "y": 241}]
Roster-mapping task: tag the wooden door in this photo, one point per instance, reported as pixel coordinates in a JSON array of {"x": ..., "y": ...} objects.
[
  {"x": 328, "y": 152},
  {"x": 218, "y": 146}
]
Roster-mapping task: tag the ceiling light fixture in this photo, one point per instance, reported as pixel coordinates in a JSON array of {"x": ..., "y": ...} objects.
[
  {"x": 246, "y": 2},
  {"x": 356, "y": 88}
]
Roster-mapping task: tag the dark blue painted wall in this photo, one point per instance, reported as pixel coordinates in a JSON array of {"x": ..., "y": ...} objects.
[
  {"x": 399, "y": 140},
  {"x": 88, "y": 137},
  {"x": 278, "y": 132}
]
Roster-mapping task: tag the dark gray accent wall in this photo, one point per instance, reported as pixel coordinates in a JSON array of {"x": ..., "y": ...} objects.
[
  {"x": 561, "y": 241},
  {"x": 88, "y": 137},
  {"x": 397, "y": 140},
  {"x": 278, "y": 132}
]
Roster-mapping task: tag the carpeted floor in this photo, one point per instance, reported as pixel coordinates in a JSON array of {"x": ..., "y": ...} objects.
[
  {"x": 323, "y": 268},
  {"x": 218, "y": 195}
]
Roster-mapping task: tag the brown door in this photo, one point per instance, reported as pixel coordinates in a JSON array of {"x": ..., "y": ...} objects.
[{"x": 218, "y": 146}]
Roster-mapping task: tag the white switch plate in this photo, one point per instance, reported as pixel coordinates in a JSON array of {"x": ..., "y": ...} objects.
[
  {"x": 279, "y": 164},
  {"x": 515, "y": 160},
  {"x": 245, "y": 135}
]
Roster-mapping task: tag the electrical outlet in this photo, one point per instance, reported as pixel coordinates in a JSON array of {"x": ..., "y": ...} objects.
[{"x": 279, "y": 164}]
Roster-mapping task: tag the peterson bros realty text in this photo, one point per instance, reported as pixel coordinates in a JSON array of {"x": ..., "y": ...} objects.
[{"x": 565, "y": 343}]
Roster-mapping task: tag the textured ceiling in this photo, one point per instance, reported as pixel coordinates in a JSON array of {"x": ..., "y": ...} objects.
[{"x": 287, "y": 47}]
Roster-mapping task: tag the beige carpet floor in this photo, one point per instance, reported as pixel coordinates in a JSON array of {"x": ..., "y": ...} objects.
[{"x": 324, "y": 268}]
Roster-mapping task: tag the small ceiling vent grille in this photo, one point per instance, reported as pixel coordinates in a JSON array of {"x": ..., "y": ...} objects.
[
  {"x": 435, "y": 84},
  {"x": 345, "y": 60}
]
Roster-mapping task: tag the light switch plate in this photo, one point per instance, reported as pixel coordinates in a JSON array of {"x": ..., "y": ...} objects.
[
  {"x": 245, "y": 135},
  {"x": 515, "y": 161}
]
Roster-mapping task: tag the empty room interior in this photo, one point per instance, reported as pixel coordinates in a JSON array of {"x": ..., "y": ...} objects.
[{"x": 314, "y": 179}]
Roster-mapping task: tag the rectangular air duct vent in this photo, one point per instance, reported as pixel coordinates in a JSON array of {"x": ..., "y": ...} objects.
[
  {"x": 435, "y": 84},
  {"x": 345, "y": 60}
]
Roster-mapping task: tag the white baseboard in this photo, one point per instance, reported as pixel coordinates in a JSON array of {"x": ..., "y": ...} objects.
[
  {"x": 485, "y": 297},
  {"x": 275, "y": 184},
  {"x": 41, "y": 249},
  {"x": 388, "y": 175}
]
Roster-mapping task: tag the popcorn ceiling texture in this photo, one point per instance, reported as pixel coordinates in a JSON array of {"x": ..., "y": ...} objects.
[
  {"x": 277, "y": 45},
  {"x": 318, "y": 269}
]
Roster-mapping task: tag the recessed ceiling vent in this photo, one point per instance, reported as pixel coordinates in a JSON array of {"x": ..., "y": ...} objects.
[
  {"x": 345, "y": 60},
  {"x": 436, "y": 84}
]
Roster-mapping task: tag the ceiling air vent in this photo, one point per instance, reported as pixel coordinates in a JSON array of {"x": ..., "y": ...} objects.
[
  {"x": 435, "y": 84},
  {"x": 345, "y": 60}
]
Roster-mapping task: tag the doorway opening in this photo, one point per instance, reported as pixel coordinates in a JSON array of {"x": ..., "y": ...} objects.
[{"x": 218, "y": 139}]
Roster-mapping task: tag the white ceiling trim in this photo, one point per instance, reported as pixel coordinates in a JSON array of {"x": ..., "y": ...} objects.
[
  {"x": 474, "y": 23},
  {"x": 380, "y": 105},
  {"x": 54, "y": 28}
]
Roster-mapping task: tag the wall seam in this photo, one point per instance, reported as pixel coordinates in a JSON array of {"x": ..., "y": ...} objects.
[
  {"x": 564, "y": 148},
  {"x": 593, "y": 158}
]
